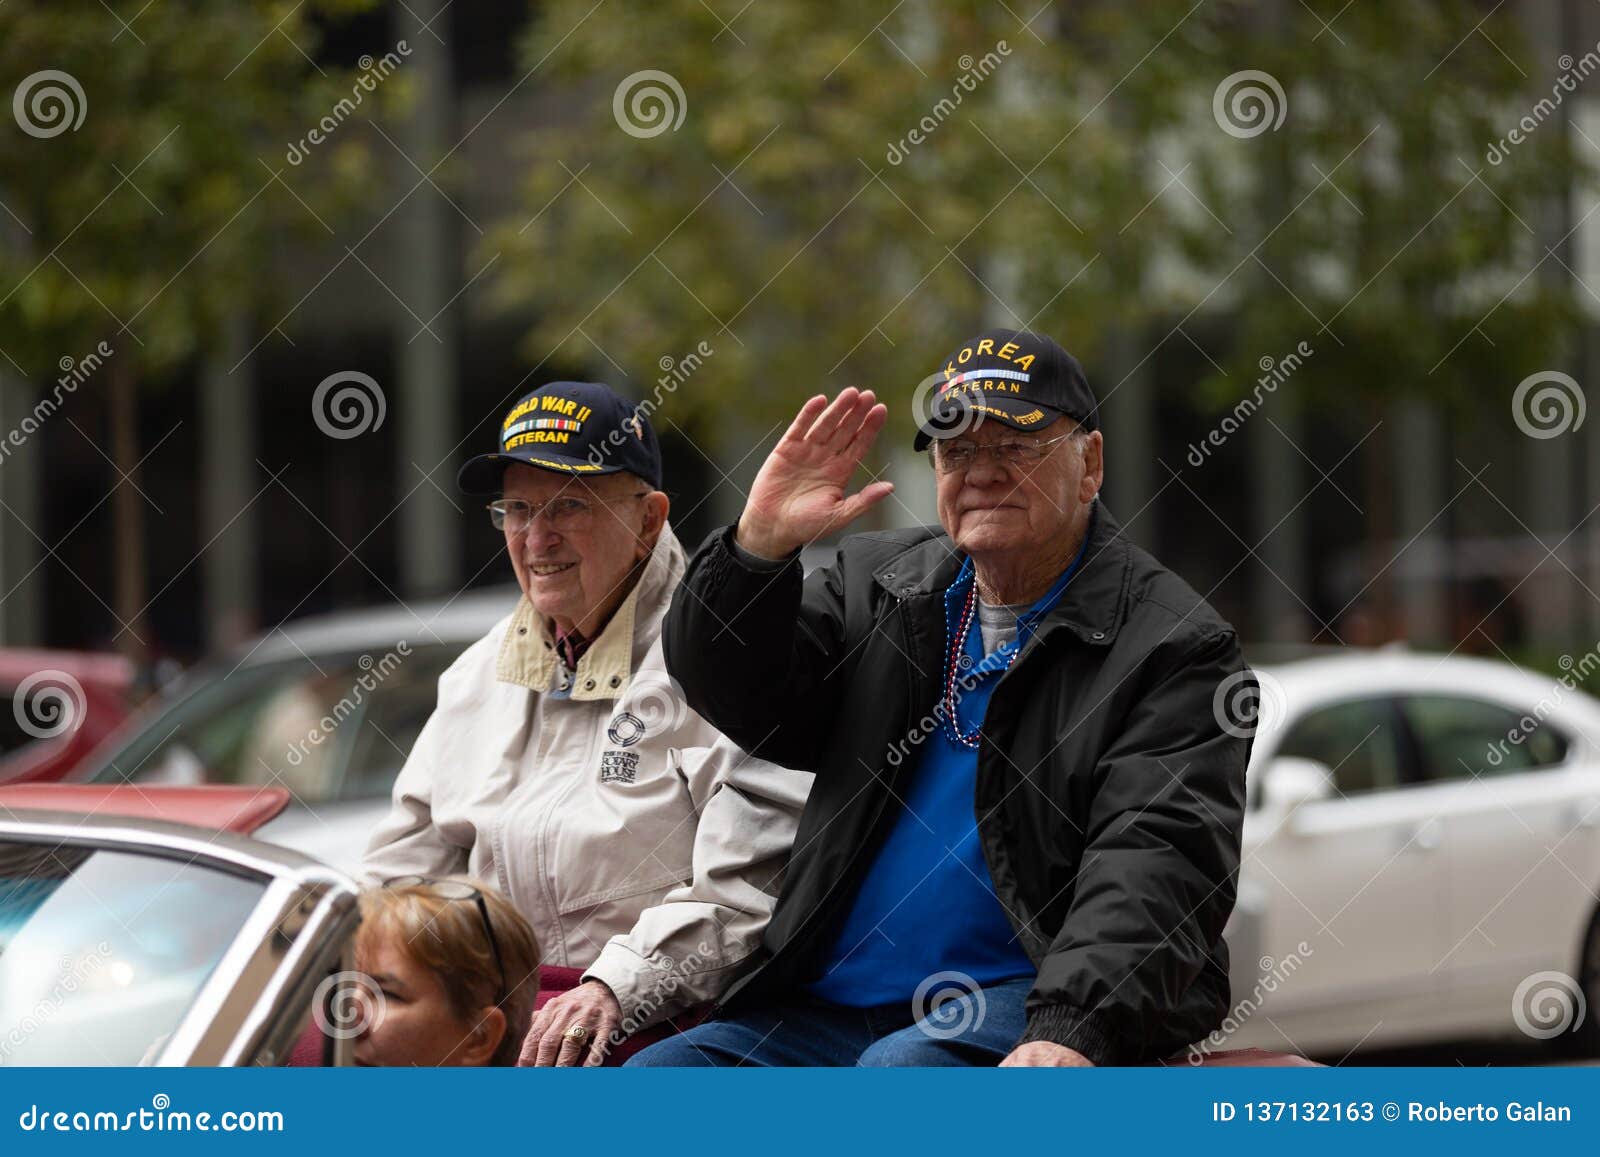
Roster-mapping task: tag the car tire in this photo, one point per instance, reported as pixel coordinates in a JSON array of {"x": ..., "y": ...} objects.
[{"x": 1584, "y": 1041}]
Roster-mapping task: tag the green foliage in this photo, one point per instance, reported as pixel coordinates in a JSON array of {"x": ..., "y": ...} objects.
[
  {"x": 1083, "y": 187},
  {"x": 161, "y": 210}
]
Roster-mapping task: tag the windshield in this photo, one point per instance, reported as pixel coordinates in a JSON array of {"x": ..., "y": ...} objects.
[{"x": 102, "y": 952}]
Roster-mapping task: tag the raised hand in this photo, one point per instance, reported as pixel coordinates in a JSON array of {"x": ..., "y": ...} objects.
[{"x": 799, "y": 495}]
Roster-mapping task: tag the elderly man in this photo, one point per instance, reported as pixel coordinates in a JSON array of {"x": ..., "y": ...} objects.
[
  {"x": 561, "y": 765},
  {"x": 1022, "y": 842}
]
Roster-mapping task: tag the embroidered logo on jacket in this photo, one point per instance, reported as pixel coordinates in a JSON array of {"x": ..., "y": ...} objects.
[
  {"x": 619, "y": 766},
  {"x": 626, "y": 729}
]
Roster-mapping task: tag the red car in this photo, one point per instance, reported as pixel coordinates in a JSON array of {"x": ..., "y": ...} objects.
[{"x": 63, "y": 703}]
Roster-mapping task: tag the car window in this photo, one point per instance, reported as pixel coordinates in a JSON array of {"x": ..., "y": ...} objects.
[
  {"x": 1359, "y": 740},
  {"x": 103, "y": 952},
  {"x": 254, "y": 726},
  {"x": 1463, "y": 738},
  {"x": 332, "y": 729},
  {"x": 396, "y": 711}
]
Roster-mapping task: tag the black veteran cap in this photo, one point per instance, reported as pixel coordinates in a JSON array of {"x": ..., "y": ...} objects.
[
  {"x": 1022, "y": 379},
  {"x": 570, "y": 428}
]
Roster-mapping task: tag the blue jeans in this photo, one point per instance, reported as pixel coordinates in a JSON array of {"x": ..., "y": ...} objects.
[{"x": 977, "y": 1028}]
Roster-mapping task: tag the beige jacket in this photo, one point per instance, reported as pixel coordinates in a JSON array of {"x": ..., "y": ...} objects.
[{"x": 643, "y": 846}]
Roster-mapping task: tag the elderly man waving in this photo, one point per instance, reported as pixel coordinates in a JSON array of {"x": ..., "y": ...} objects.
[
  {"x": 561, "y": 765},
  {"x": 1022, "y": 842}
]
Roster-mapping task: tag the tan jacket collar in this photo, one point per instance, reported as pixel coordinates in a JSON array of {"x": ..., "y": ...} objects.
[{"x": 528, "y": 653}]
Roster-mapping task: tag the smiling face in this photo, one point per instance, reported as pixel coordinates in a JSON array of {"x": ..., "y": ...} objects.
[
  {"x": 578, "y": 576},
  {"x": 1003, "y": 513}
]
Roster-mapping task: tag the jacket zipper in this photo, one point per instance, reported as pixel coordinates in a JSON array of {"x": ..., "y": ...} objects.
[
  {"x": 808, "y": 925},
  {"x": 1018, "y": 928}
]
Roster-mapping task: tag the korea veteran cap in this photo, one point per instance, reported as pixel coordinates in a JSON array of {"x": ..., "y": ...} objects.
[
  {"x": 570, "y": 428},
  {"x": 1022, "y": 379}
]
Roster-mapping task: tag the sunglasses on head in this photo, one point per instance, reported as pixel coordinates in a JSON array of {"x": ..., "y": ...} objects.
[{"x": 460, "y": 890}]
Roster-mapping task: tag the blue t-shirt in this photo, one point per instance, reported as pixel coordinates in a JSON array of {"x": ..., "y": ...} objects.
[{"x": 927, "y": 904}]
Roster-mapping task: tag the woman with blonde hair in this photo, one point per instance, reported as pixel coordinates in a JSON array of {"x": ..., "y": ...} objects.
[{"x": 453, "y": 971}]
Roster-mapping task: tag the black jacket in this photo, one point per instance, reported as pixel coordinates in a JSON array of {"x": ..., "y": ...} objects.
[{"x": 1110, "y": 784}]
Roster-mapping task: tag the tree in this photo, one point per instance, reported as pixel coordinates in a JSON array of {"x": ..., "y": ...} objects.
[
  {"x": 845, "y": 196},
  {"x": 150, "y": 181}
]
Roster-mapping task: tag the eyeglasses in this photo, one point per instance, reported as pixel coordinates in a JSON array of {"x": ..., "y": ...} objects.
[
  {"x": 460, "y": 890},
  {"x": 564, "y": 514},
  {"x": 960, "y": 453}
]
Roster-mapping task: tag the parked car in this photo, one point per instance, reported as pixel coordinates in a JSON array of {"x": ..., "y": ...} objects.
[
  {"x": 1421, "y": 855},
  {"x": 63, "y": 703},
  {"x": 130, "y": 940},
  {"x": 327, "y": 707}
]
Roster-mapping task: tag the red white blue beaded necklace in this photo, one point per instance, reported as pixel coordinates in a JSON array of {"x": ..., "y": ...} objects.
[
  {"x": 956, "y": 654},
  {"x": 958, "y": 647}
]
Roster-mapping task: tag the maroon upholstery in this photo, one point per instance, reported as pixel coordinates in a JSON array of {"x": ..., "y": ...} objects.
[
  {"x": 307, "y": 1051},
  {"x": 554, "y": 981}
]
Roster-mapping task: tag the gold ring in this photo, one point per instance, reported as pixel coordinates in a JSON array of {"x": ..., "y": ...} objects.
[{"x": 577, "y": 1034}]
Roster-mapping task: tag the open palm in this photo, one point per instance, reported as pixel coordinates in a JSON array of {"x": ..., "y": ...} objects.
[{"x": 799, "y": 495}]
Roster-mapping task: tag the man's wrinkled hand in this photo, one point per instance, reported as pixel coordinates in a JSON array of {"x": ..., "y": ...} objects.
[
  {"x": 799, "y": 494},
  {"x": 592, "y": 1007},
  {"x": 1042, "y": 1054}
]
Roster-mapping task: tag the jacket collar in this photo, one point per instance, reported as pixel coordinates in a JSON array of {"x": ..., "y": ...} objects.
[
  {"x": 528, "y": 652},
  {"x": 1093, "y": 606}
]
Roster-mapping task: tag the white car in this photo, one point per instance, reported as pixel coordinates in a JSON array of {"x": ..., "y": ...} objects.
[{"x": 1421, "y": 856}]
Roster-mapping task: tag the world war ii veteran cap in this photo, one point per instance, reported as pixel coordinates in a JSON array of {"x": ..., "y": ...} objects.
[
  {"x": 1022, "y": 379},
  {"x": 570, "y": 428}
]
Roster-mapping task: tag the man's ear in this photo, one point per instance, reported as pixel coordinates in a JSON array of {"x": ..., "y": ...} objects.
[
  {"x": 1094, "y": 466},
  {"x": 489, "y": 1029},
  {"x": 656, "y": 507}
]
